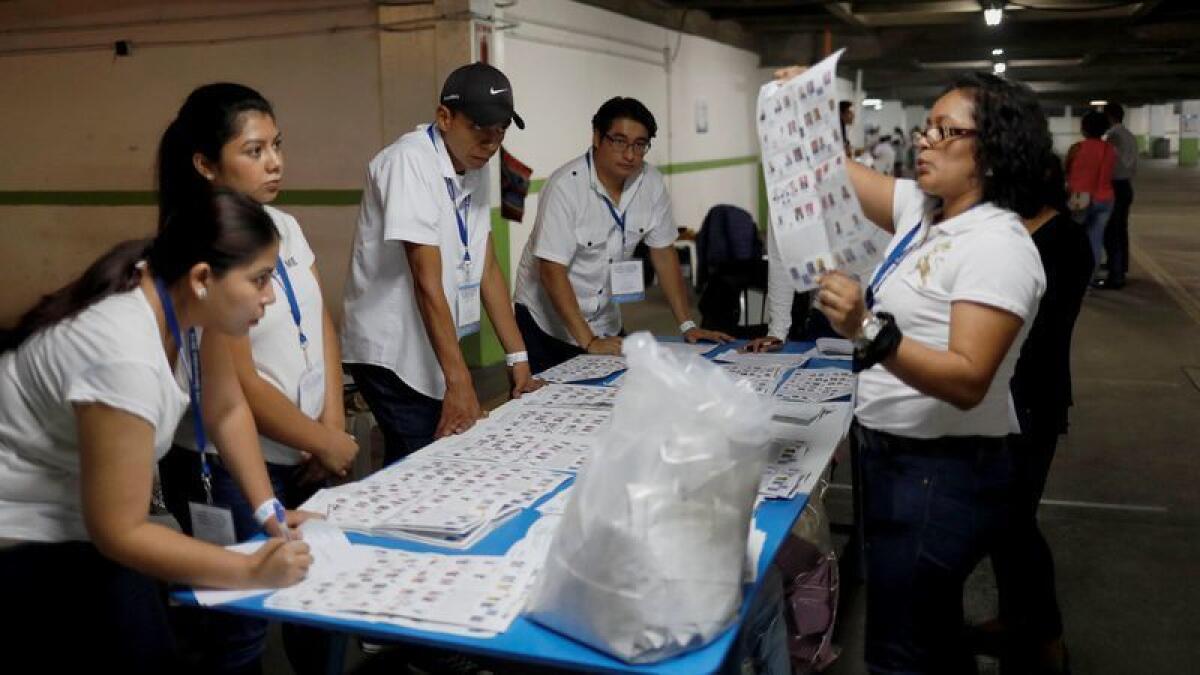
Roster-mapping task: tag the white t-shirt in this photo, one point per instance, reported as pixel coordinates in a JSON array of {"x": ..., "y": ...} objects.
[
  {"x": 110, "y": 353},
  {"x": 407, "y": 200},
  {"x": 275, "y": 342},
  {"x": 983, "y": 255},
  {"x": 885, "y": 157},
  {"x": 575, "y": 228}
]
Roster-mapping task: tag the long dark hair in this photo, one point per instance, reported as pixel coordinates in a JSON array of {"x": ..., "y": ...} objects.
[
  {"x": 1011, "y": 143},
  {"x": 208, "y": 119},
  {"x": 225, "y": 230}
]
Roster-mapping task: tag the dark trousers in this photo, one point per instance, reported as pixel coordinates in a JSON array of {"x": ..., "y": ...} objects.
[
  {"x": 230, "y": 643},
  {"x": 545, "y": 350},
  {"x": 1116, "y": 234},
  {"x": 930, "y": 509},
  {"x": 407, "y": 418},
  {"x": 71, "y": 609},
  {"x": 1021, "y": 559}
]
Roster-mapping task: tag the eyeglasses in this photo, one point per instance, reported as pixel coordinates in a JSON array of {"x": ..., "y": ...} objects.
[
  {"x": 937, "y": 135},
  {"x": 640, "y": 148}
]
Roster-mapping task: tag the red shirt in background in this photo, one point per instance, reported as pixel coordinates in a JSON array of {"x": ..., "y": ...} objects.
[{"x": 1092, "y": 169}]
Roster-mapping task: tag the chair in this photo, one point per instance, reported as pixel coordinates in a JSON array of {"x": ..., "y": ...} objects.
[{"x": 729, "y": 262}]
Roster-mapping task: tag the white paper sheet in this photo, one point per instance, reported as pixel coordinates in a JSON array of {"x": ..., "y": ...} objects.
[
  {"x": 583, "y": 367},
  {"x": 815, "y": 385}
]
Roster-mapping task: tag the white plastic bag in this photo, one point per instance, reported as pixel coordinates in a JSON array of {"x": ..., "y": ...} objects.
[{"x": 649, "y": 557}]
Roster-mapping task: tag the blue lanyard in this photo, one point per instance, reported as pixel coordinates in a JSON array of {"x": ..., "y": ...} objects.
[
  {"x": 893, "y": 259},
  {"x": 193, "y": 381},
  {"x": 281, "y": 269},
  {"x": 463, "y": 234},
  {"x": 612, "y": 210}
]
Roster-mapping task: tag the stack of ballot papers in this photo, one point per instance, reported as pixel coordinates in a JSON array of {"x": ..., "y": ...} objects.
[
  {"x": 794, "y": 468},
  {"x": 582, "y": 368},
  {"x": 451, "y": 503},
  {"x": 763, "y": 358},
  {"x": 477, "y": 596},
  {"x": 816, "y": 385},
  {"x": 763, "y": 378},
  {"x": 572, "y": 396},
  {"x": 833, "y": 348},
  {"x": 539, "y": 451}
]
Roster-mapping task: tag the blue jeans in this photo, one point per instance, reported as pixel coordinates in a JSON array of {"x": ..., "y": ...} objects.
[
  {"x": 761, "y": 646},
  {"x": 931, "y": 508},
  {"x": 232, "y": 643},
  {"x": 407, "y": 418},
  {"x": 1095, "y": 219},
  {"x": 545, "y": 350}
]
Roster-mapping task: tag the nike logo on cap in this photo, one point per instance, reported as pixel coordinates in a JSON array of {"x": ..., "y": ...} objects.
[{"x": 497, "y": 91}]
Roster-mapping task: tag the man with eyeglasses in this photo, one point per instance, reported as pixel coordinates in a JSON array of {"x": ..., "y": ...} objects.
[
  {"x": 423, "y": 265},
  {"x": 578, "y": 264}
]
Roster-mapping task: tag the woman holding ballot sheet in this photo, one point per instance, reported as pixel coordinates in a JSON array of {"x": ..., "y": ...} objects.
[
  {"x": 937, "y": 331},
  {"x": 289, "y": 364},
  {"x": 94, "y": 380}
]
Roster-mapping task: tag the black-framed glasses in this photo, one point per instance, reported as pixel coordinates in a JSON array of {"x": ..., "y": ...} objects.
[
  {"x": 939, "y": 134},
  {"x": 640, "y": 148}
]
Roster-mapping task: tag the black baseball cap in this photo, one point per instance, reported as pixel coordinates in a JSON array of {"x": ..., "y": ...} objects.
[{"x": 482, "y": 93}]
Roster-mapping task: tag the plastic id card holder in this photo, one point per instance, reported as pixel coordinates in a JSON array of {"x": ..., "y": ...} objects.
[
  {"x": 468, "y": 309},
  {"x": 312, "y": 391},
  {"x": 213, "y": 524},
  {"x": 628, "y": 284}
]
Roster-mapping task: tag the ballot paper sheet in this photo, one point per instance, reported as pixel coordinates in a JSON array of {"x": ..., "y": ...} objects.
[{"x": 815, "y": 215}]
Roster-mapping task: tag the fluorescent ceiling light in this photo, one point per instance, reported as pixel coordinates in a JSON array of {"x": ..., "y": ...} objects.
[
  {"x": 997, "y": 51},
  {"x": 1099, "y": 103},
  {"x": 999, "y": 67},
  {"x": 872, "y": 103},
  {"x": 993, "y": 15}
]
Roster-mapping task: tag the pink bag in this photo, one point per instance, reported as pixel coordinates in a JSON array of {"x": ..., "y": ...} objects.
[{"x": 810, "y": 587}]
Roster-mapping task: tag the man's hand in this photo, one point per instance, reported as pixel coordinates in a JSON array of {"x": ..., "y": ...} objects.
[
  {"x": 606, "y": 345},
  {"x": 762, "y": 344},
  {"x": 522, "y": 381},
  {"x": 695, "y": 335},
  {"x": 460, "y": 410}
]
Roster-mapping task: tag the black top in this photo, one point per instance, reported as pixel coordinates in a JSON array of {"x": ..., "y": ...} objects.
[{"x": 1041, "y": 383}]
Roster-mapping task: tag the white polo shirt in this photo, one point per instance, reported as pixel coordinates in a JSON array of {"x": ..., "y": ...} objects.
[
  {"x": 983, "y": 255},
  {"x": 575, "y": 228},
  {"x": 110, "y": 353},
  {"x": 407, "y": 200},
  {"x": 275, "y": 342}
]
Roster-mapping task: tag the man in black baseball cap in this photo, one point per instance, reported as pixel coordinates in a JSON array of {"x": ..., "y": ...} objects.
[
  {"x": 424, "y": 267},
  {"x": 482, "y": 93}
]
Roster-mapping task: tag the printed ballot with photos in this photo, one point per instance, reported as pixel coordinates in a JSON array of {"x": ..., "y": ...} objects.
[{"x": 648, "y": 561}]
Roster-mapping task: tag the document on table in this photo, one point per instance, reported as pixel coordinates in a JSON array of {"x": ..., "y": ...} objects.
[
  {"x": 762, "y": 378},
  {"x": 763, "y": 358},
  {"x": 583, "y": 367},
  {"x": 816, "y": 385},
  {"x": 572, "y": 396},
  {"x": 815, "y": 215},
  {"x": 332, "y": 553}
]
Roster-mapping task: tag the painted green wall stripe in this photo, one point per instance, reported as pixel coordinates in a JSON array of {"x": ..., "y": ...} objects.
[{"x": 287, "y": 197}]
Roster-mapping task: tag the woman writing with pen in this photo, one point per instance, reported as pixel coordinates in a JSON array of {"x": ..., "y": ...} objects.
[{"x": 94, "y": 380}]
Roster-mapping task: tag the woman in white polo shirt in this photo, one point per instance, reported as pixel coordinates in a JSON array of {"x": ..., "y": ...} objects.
[
  {"x": 225, "y": 136},
  {"x": 94, "y": 380},
  {"x": 938, "y": 331}
]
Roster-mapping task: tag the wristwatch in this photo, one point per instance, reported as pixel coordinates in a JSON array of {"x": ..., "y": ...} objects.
[
  {"x": 868, "y": 331},
  {"x": 879, "y": 337}
]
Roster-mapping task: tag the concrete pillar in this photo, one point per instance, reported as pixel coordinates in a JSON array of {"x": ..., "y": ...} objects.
[
  {"x": 1189, "y": 133},
  {"x": 1137, "y": 121},
  {"x": 1159, "y": 123}
]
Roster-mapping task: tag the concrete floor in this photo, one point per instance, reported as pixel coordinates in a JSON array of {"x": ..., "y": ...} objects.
[{"x": 1121, "y": 507}]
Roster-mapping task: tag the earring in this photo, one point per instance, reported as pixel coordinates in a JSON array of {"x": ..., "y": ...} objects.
[{"x": 202, "y": 293}]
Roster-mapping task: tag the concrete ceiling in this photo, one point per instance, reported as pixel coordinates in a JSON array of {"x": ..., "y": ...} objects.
[{"x": 1070, "y": 51}]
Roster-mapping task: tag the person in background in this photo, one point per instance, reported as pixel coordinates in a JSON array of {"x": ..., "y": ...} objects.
[
  {"x": 578, "y": 265},
  {"x": 1090, "y": 165},
  {"x": 1030, "y": 622},
  {"x": 884, "y": 155},
  {"x": 1116, "y": 233},
  {"x": 289, "y": 365},
  {"x": 94, "y": 380},
  {"x": 937, "y": 333},
  {"x": 846, "y": 117},
  {"x": 423, "y": 266}
]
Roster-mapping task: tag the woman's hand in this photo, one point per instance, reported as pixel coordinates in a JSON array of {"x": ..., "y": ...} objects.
[
  {"x": 279, "y": 563},
  {"x": 788, "y": 72},
  {"x": 840, "y": 299}
]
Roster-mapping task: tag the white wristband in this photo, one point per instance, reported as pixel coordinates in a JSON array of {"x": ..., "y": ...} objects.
[
  {"x": 265, "y": 511},
  {"x": 513, "y": 359},
  {"x": 686, "y": 326}
]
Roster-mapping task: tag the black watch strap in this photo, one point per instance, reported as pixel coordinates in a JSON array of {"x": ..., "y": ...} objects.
[{"x": 884, "y": 344}]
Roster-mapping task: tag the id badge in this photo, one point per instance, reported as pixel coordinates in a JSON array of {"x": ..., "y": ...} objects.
[
  {"x": 628, "y": 284},
  {"x": 213, "y": 524},
  {"x": 468, "y": 309},
  {"x": 312, "y": 391}
]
